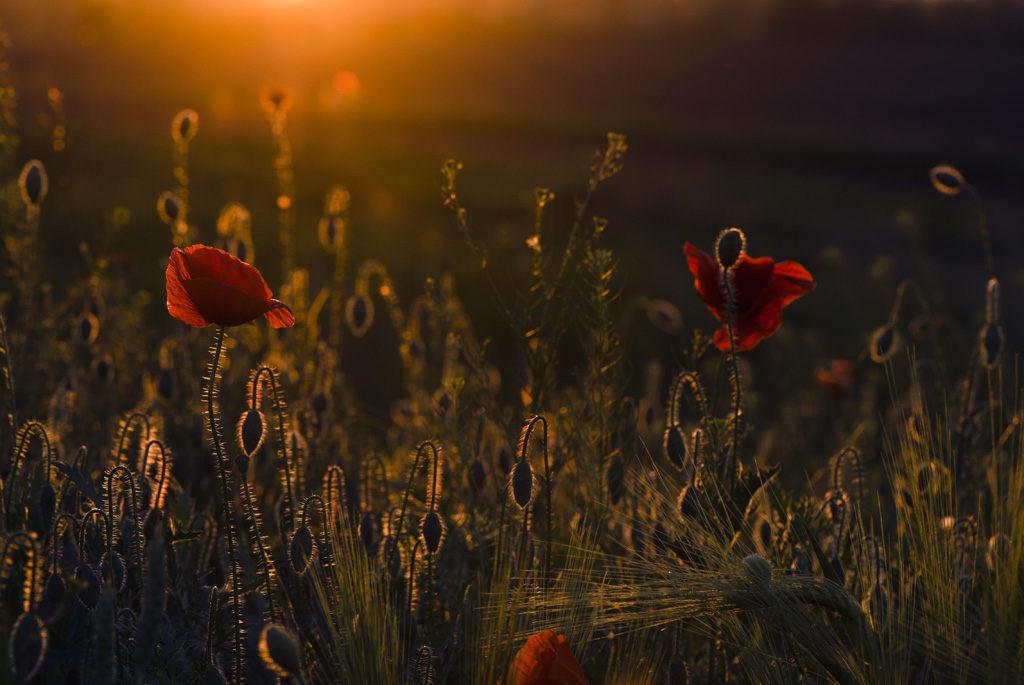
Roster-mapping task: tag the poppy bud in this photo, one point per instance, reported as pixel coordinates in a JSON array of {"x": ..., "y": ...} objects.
[
  {"x": 242, "y": 464},
  {"x": 251, "y": 431},
  {"x": 359, "y": 314},
  {"x": 731, "y": 244},
  {"x": 113, "y": 570},
  {"x": 27, "y": 647},
  {"x": 675, "y": 447},
  {"x": 184, "y": 126},
  {"x": 690, "y": 503},
  {"x": 757, "y": 569},
  {"x": 165, "y": 385},
  {"x": 883, "y": 343},
  {"x": 301, "y": 549},
  {"x": 319, "y": 403},
  {"x": 169, "y": 207},
  {"x": 998, "y": 552},
  {"x": 476, "y": 475},
  {"x": 615, "y": 479},
  {"x": 279, "y": 651},
  {"x": 505, "y": 458},
  {"x": 521, "y": 483},
  {"x": 33, "y": 182},
  {"x": 432, "y": 531},
  {"x": 946, "y": 179},
  {"x": 89, "y": 596},
  {"x": 991, "y": 341},
  {"x": 88, "y": 329}
]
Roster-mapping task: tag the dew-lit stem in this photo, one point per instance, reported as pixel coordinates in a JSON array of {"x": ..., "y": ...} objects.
[{"x": 224, "y": 471}]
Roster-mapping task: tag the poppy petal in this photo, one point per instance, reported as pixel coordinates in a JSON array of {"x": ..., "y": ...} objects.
[
  {"x": 209, "y": 262},
  {"x": 221, "y": 304},
  {"x": 280, "y": 315},
  {"x": 705, "y": 273},
  {"x": 546, "y": 659},
  {"x": 750, "y": 277},
  {"x": 179, "y": 304}
]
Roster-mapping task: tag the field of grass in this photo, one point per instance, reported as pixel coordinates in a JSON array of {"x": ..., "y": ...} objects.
[{"x": 499, "y": 410}]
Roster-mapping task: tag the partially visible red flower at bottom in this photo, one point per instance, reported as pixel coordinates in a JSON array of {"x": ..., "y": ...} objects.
[{"x": 546, "y": 659}]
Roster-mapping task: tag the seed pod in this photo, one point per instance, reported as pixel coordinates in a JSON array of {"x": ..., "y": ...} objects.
[
  {"x": 757, "y": 569},
  {"x": 884, "y": 342},
  {"x": 301, "y": 549},
  {"x": 730, "y": 245},
  {"x": 280, "y": 652},
  {"x": 359, "y": 314},
  {"x": 251, "y": 431},
  {"x": 33, "y": 183},
  {"x": 26, "y": 647},
  {"x": 615, "y": 479},
  {"x": 521, "y": 483},
  {"x": 675, "y": 447},
  {"x": 432, "y": 531}
]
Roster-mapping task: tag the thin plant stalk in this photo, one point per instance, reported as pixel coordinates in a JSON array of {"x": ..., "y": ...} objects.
[{"x": 224, "y": 473}]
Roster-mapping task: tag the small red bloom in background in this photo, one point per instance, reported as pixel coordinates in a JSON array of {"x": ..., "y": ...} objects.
[
  {"x": 835, "y": 376},
  {"x": 546, "y": 659},
  {"x": 208, "y": 286},
  {"x": 760, "y": 289}
]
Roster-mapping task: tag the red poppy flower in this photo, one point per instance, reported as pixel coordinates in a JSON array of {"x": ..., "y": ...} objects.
[
  {"x": 760, "y": 288},
  {"x": 546, "y": 659},
  {"x": 206, "y": 285}
]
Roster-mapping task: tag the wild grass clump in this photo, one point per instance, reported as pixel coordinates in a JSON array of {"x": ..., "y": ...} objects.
[{"x": 636, "y": 508}]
